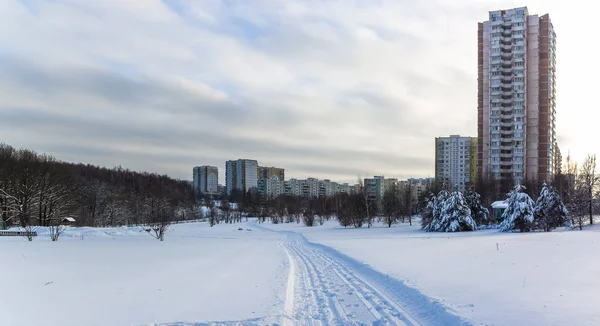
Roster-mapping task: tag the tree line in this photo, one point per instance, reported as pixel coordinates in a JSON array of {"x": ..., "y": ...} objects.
[{"x": 39, "y": 190}]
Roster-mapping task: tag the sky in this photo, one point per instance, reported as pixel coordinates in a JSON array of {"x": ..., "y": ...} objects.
[{"x": 327, "y": 89}]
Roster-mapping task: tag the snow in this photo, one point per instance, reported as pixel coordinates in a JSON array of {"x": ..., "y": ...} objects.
[
  {"x": 289, "y": 274},
  {"x": 122, "y": 276},
  {"x": 500, "y": 204},
  {"x": 486, "y": 277}
]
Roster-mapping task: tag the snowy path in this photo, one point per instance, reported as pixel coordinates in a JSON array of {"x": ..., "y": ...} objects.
[
  {"x": 328, "y": 292},
  {"x": 332, "y": 289}
]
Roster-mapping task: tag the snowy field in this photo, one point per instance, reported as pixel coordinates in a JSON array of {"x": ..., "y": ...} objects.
[
  {"x": 288, "y": 274},
  {"x": 122, "y": 276},
  {"x": 486, "y": 277}
]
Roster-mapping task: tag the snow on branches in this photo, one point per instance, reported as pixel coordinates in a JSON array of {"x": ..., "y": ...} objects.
[
  {"x": 549, "y": 211},
  {"x": 449, "y": 212},
  {"x": 519, "y": 213}
]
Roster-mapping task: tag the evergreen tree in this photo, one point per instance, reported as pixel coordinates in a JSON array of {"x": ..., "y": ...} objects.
[
  {"x": 435, "y": 207},
  {"x": 519, "y": 213},
  {"x": 427, "y": 212},
  {"x": 549, "y": 212},
  {"x": 450, "y": 213},
  {"x": 478, "y": 212}
]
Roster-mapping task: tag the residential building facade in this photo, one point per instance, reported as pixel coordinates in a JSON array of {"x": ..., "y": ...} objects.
[
  {"x": 206, "y": 180},
  {"x": 374, "y": 188},
  {"x": 455, "y": 162},
  {"x": 267, "y": 172},
  {"x": 241, "y": 175},
  {"x": 516, "y": 104},
  {"x": 271, "y": 187}
]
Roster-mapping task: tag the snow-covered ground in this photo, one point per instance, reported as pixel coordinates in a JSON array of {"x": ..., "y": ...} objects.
[
  {"x": 122, "y": 276},
  {"x": 486, "y": 277},
  {"x": 289, "y": 274}
]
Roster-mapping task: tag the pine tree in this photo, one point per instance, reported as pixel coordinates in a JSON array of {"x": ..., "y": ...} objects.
[
  {"x": 436, "y": 205},
  {"x": 456, "y": 215},
  {"x": 519, "y": 213},
  {"x": 427, "y": 213},
  {"x": 479, "y": 213},
  {"x": 550, "y": 212},
  {"x": 450, "y": 213}
]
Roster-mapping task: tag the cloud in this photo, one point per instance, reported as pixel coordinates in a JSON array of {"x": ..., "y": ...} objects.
[{"x": 326, "y": 89}]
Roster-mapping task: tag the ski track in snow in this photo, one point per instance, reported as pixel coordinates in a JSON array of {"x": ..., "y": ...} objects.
[
  {"x": 330, "y": 293},
  {"x": 331, "y": 289}
]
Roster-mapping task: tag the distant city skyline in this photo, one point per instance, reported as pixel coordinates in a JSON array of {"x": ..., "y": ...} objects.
[{"x": 337, "y": 90}]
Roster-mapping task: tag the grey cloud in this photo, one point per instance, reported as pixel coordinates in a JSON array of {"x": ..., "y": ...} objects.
[
  {"x": 141, "y": 94},
  {"x": 193, "y": 143}
]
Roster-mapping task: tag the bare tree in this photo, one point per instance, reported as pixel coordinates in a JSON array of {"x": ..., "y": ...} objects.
[
  {"x": 588, "y": 180},
  {"x": 56, "y": 230},
  {"x": 367, "y": 203},
  {"x": 160, "y": 216},
  {"x": 391, "y": 206}
]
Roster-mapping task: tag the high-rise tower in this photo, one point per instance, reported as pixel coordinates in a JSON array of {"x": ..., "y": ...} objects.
[{"x": 516, "y": 105}]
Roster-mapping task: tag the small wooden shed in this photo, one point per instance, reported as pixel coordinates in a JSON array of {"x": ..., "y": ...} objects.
[
  {"x": 68, "y": 221},
  {"x": 498, "y": 208}
]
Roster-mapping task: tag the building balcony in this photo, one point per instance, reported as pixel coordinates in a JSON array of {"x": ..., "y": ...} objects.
[
  {"x": 506, "y": 132},
  {"x": 506, "y": 155},
  {"x": 506, "y": 40},
  {"x": 506, "y": 56},
  {"x": 506, "y": 47},
  {"x": 506, "y": 148},
  {"x": 506, "y": 124}
]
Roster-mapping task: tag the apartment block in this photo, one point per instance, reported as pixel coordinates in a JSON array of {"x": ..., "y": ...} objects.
[
  {"x": 206, "y": 180},
  {"x": 455, "y": 162},
  {"x": 516, "y": 103},
  {"x": 241, "y": 175},
  {"x": 374, "y": 188},
  {"x": 271, "y": 187},
  {"x": 267, "y": 172}
]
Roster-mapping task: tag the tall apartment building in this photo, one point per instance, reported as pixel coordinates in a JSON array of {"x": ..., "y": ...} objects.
[
  {"x": 206, "y": 179},
  {"x": 267, "y": 172},
  {"x": 241, "y": 175},
  {"x": 516, "y": 103},
  {"x": 374, "y": 188},
  {"x": 455, "y": 162}
]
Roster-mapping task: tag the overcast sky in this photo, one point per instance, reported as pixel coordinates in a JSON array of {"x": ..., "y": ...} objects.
[{"x": 329, "y": 89}]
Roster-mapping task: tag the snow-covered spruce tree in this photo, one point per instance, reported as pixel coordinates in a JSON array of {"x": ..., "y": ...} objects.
[
  {"x": 549, "y": 211},
  {"x": 435, "y": 205},
  {"x": 478, "y": 212},
  {"x": 455, "y": 215},
  {"x": 427, "y": 213},
  {"x": 519, "y": 213}
]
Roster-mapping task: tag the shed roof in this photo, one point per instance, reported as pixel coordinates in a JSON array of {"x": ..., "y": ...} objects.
[
  {"x": 500, "y": 204},
  {"x": 69, "y": 219}
]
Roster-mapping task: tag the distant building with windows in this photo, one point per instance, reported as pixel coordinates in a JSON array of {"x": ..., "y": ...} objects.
[
  {"x": 206, "y": 180},
  {"x": 267, "y": 172},
  {"x": 374, "y": 188},
  {"x": 241, "y": 174},
  {"x": 455, "y": 162}
]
